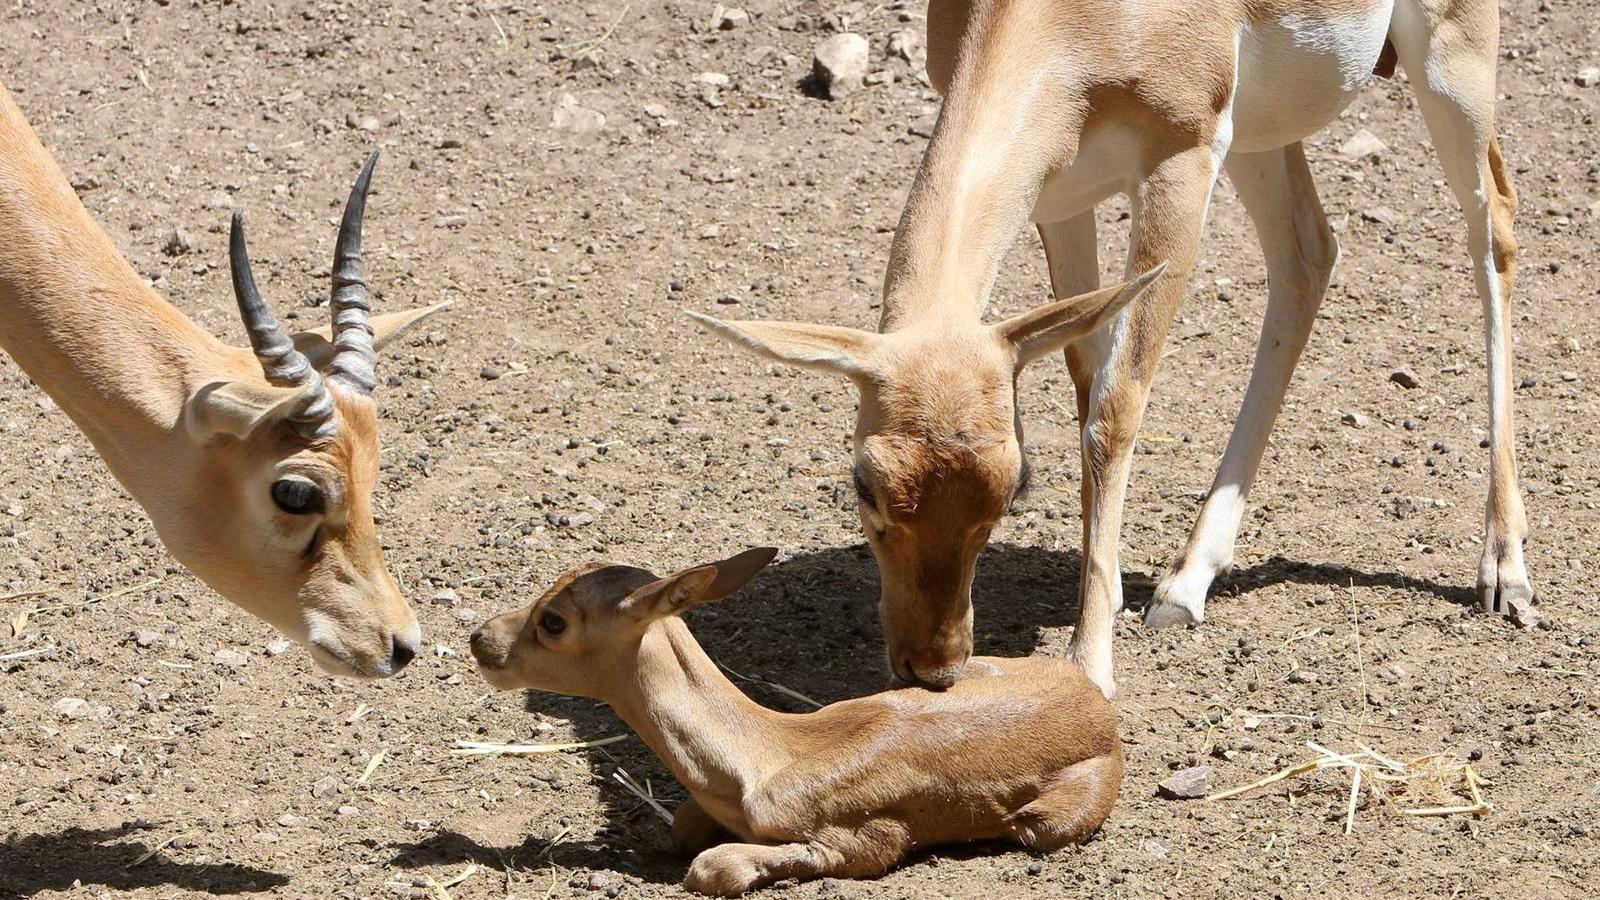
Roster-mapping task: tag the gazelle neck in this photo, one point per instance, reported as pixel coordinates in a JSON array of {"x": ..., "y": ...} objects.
[
  {"x": 984, "y": 168},
  {"x": 112, "y": 353},
  {"x": 717, "y": 742}
]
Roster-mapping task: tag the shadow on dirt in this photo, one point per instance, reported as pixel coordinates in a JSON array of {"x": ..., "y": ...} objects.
[
  {"x": 810, "y": 623},
  {"x": 36, "y": 863}
]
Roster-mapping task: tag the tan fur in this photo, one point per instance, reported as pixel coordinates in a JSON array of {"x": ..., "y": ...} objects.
[
  {"x": 1020, "y": 750},
  {"x": 130, "y": 370},
  {"x": 1052, "y": 106}
]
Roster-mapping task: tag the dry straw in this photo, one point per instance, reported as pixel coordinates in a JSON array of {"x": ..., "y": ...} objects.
[{"x": 1451, "y": 786}]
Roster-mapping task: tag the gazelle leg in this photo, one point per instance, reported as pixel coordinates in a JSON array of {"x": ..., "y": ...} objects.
[
  {"x": 1071, "y": 808},
  {"x": 1449, "y": 53},
  {"x": 1300, "y": 250},
  {"x": 1072, "y": 253},
  {"x": 729, "y": 870},
  {"x": 694, "y": 830},
  {"x": 1169, "y": 211}
]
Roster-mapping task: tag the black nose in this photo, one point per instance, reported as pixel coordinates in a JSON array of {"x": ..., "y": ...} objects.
[{"x": 403, "y": 653}]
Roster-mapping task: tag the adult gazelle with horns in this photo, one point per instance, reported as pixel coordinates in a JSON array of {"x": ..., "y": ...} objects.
[{"x": 256, "y": 466}]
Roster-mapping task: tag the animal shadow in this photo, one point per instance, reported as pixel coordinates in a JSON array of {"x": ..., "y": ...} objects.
[{"x": 32, "y": 864}]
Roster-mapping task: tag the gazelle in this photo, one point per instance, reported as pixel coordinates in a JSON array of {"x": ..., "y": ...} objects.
[
  {"x": 1021, "y": 750},
  {"x": 257, "y": 467},
  {"x": 1050, "y": 107}
]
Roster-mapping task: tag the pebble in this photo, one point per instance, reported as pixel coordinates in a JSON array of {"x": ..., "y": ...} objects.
[
  {"x": 1361, "y": 145},
  {"x": 1302, "y": 676},
  {"x": 840, "y": 64},
  {"x": 1186, "y": 784},
  {"x": 324, "y": 786},
  {"x": 1588, "y": 76},
  {"x": 1406, "y": 378},
  {"x": 445, "y": 597},
  {"x": 177, "y": 243},
  {"x": 489, "y": 373},
  {"x": 465, "y": 615},
  {"x": 349, "y": 811},
  {"x": 728, "y": 18},
  {"x": 146, "y": 638},
  {"x": 279, "y": 647},
  {"x": 598, "y": 881},
  {"x": 1355, "y": 420},
  {"x": 72, "y": 708},
  {"x": 230, "y": 658},
  {"x": 570, "y": 115}
]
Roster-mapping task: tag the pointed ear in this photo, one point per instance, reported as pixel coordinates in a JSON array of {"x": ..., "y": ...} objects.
[
  {"x": 736, "y": 571},
  {"x": 237, "y": 408},
  {"x": 1053, "y": 326},
  {"x": 672, "y": 595},
  {"x": 317, "y": 344},
  {"x": 826, "y": 348}
]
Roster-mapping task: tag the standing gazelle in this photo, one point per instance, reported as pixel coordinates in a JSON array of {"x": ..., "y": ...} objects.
[
  {"x": 1050, "y": 107},
  {"x": 256, "y": 468}
]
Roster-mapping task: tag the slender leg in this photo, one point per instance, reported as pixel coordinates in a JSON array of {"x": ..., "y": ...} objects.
[
  {"x": 1300, "y": 251},
  {"x": 1449, "y": 52},
  {"x": 1168, "y": 214},
  {"x": 694, "y": 830},
  {"x": 1071, "y": 808},
  {"x": 1072, "y": 251},
  {"x": 729, "y": 870}
]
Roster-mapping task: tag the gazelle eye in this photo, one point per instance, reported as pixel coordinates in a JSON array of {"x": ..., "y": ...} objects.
[
  {"x": 552, "y": 624},
  {"x": 864, "y": 490},
  {"x": 297, "y": 496}
]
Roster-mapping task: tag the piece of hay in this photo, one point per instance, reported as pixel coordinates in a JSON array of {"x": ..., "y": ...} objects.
[
  {"x": 623, "y": 778},
  {"x": 1446, "y": 778},
  {"x": 491, "y": 748}
]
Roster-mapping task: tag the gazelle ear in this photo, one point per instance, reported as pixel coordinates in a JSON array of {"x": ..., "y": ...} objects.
[
  {"x": 317, "y": 344},
  {"x": 1053, "y": 326},
  {"x": 672, "y": 595},
  {"x": 826, "y": 348},
  {"x": 238, "y": 408}
]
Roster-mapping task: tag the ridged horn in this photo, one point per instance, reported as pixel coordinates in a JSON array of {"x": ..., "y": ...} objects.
[
  {"x": 283, "y": 365},
  {"x": 354, "y": 358}
]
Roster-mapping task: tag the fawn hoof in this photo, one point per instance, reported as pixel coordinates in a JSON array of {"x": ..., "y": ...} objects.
[
  {"x": 721, "y": 872},
  {"x": 1180, "y": 598},
  {"x": 1503, "y": 585}
]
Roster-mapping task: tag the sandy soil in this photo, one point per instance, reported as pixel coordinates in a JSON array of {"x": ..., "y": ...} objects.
[{"x": 614, "y": 426}]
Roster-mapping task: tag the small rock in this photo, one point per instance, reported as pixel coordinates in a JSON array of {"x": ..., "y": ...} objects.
[
  {"x": 465, "y": 615},
  {"x": 445, "y": 597},
  {"x": 290, "y": 820},
  {"x": 1186, "y": 784},
  {"x": 727, "y": 18},
  {"x": 233, "y": 659},
  {"x": 1588, "y": 76},
  {"x": 349, "y": 811},
  {"x": 906, "y": 44},
  {"x": 598, "y": 881},
  {"x": 840, "y": 64},
  {"x": 714, "y": 79},
  {"x": 1406, "y": 378},
  {"x": 1302, "y": 676},
  {"x": 1361, "y": 145},
  {"x": 178, "y": 243},
  {"x": 488, "y": 373},
  {"x": 571, "y": 116},
  {"x": 72, "y": 708},
  {"x": 1383, "y": 215},
  {"x": 1355, "y": 420},
  {"x": 324, "y": 786},
  {"x": 450, "y": 143},
  {"x": 368, "y": 123},
  {"x": 279, "y": 647},
  {"x": 219, "y": 200},
  {"x": 145, "y": 638},
  {"x": 266, "y": 837},
  {"x": 454, "y": 220}
]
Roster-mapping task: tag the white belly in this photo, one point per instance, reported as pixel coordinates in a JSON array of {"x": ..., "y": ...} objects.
[{"x": 1298, "y": 72}]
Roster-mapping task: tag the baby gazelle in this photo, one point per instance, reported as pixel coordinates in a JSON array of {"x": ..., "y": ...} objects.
[{"x": 1024, "y": 750}]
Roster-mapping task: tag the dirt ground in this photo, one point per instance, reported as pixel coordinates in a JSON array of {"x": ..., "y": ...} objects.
[{"x": 566, "y": 408}]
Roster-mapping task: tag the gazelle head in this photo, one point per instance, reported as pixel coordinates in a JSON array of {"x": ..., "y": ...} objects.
[
  {"x": 582, "y": 637},
  {"x": 938, "y": 452},
  {"x": 274, "y": 509}
]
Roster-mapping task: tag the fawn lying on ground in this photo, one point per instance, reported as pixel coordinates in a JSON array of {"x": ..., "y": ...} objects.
[{"x": 1024, "y": 750}]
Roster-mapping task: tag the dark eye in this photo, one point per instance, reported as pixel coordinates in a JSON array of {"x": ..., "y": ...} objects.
[
  {"x": 864, "y": 491},
  {"x": 297, "y": 496},
  {"x": 552, "y": 624}
]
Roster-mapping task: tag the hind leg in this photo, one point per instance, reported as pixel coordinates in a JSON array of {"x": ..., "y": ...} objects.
[
  {"x": 729, "y": 870},
  {"x": 1449, "y": 52},
  {"x": 1071, "y": 808}
]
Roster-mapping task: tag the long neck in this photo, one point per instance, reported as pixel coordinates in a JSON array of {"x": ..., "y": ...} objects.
[
  {"x": 717, "y": 742},
  {"x": 1008, "y": 119},
  {"x": 113, "y": 354}
]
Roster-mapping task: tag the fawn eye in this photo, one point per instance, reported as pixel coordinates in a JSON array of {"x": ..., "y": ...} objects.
[
  {"x": 552, "y": 624},
  {"x": 297, "y": 496}
]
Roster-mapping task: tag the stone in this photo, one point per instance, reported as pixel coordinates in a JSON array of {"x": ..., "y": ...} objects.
[
  {"x": 839, "y": 64},
  {"x": 1588, "y": 76},
  {"x": 1186, "y": 784},
  {"x": 569, "y": 115},
  {"x": 1361, "y": 145},
  {"x": 445, "y": 597},
  {"x": 728, "y": 18},
  {"x": 146, "y": 638},
  {"x": 488, "y": 373},
  {"x": 465, "y": 616},
  {"x": 1406, "y": 378},
  {"x": 177, "y": 243},
  {"x": 713, "y": 79},
  {"x": 324, "y": 787},
  {"x": 279, "y": 647},
  {"x": 906, "y": 44},
  {"x": 1355, "y": 420},
  {"x": 1383, "y": 215},
  {"x": 233, "y": 659},
  {"x": 72, "y": 708}
]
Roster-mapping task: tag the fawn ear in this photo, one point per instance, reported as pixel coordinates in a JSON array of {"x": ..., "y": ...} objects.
[
  {"x": 1053, "y": 326},
  {"x": 826, "y": 348},
  {"x": 317, "y": 344},
  {"x": 672, "y": 595}
]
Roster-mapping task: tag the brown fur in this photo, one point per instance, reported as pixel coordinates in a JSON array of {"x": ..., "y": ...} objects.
[
  {"x": 1021, "y": 750},
  {"x": 138, "y": 377}
]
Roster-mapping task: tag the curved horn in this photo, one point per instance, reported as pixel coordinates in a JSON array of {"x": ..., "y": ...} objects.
[
  {"x": 283, "y": 365},
  {"x": 353, "y": 355}
]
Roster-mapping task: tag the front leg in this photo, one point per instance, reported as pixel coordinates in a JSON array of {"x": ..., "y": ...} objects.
[
  {"x": 728, "y": 870},
  {"x": 693, "y": 829},
  {"x": 1168, "y": 214}
]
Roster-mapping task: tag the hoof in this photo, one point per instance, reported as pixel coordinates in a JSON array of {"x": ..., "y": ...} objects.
[
  {"x": 1503, "y": 585},
  {"x": 1169, "y": 615}
]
